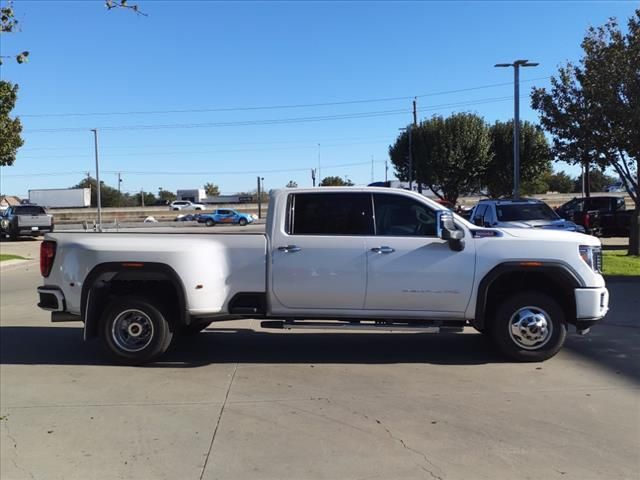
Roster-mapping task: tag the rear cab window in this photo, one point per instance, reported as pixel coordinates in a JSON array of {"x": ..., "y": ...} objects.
[
  {"x": 330, "y": 214},
  {"x": 29, "y": 210}
]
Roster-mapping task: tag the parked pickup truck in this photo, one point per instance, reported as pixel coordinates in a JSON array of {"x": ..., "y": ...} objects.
[
  {"x": 331, "y": 257},
  {"x": 607, "y": 215},
  {"x": 25, "y": 220}
]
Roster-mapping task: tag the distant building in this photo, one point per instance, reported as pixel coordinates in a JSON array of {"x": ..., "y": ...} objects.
[{"x": 196, "y": 195}]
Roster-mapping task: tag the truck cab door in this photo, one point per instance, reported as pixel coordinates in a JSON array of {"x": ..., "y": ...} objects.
[
  {"x": 410, "y": 269},
  {"x": 319, "y": 258}
]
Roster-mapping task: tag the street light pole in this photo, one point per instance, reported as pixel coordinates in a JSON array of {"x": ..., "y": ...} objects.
[
  {"x": 409, "y": 130},
  {"x": 516, "y": 119},
  {"x": 99, "y": 201}
]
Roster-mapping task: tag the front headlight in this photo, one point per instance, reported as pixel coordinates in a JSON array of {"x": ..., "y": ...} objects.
[{"x": 592, "y": 256}]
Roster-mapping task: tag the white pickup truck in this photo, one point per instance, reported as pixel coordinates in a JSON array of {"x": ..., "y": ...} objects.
[{"x": 347, "y": 258}]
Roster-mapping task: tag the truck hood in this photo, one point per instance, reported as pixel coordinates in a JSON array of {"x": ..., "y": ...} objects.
[
  {"x": 550, "y": 234},
  {"x": 559, "y": 224}
]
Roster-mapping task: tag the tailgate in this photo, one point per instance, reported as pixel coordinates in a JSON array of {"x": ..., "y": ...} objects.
[{"x": 34, "y": 221}]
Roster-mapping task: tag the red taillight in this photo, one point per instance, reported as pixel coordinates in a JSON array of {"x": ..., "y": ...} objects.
[
  {"x": 585, "y": 220},
  {"x": 47, "y": 254}
]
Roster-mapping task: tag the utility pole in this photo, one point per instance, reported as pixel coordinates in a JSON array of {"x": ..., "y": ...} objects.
[
  {"x": 313, "y": 176},
  {"x": 415, "y": 124},
  {"x": 259, "y": 197},
  {"x": 516, "y": 119},
  {"x": 372, "y": 175},
  {"x": 409, "y": 130},
  {"x": 319, "y": 173},
  {"x": 99, "y": 200},
  {"x": 415, "y": 112},
  {"x": 119, "y": 194}
]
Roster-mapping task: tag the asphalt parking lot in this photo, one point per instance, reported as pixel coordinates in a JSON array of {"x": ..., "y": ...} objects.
[{"x": 239, "y": 402}]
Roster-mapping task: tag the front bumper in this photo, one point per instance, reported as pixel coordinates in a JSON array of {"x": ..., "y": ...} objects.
[
  {"x": 591, "y": 303},
  {"x": 51, "y": 299}
]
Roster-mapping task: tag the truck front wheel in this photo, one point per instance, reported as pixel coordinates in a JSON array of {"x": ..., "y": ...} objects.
[
  {"x": 134, "y": 331},
  {"x": 529, "y": 327}
]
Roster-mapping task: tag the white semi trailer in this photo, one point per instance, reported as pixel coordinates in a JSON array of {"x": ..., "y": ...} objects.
[{"x": 61, "y": 197}]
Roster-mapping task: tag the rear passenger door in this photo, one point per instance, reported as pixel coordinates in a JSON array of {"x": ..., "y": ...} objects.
[{"x": 319, "y": 261}]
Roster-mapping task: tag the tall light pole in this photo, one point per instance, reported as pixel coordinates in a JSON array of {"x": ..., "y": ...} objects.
[
  {"x": 516, "y": 119},
  {"x": 409, "y": 130},
  {"x": 319, "y": 173},
  {"x": 95, "y": 142}
]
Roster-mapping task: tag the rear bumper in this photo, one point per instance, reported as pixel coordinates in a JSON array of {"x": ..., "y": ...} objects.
[
  {"x": 51, "y": 299},
  {"x": 591, "y": 303},
  {"x": 24, "y": 231}
]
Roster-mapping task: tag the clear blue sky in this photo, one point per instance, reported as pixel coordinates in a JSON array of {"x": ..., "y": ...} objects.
[{"x": 216, "y": 55}]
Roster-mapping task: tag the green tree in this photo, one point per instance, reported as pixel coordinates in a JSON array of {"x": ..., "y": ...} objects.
[
  {"x": 292, "y": 184},
  {"x": 211, "y": 189},
  {"x": 149, "y": 199},
  {"x": 109, "y": 196},
  {"x": 9, "y": 24},
  {"x": 598, "y": 181},
  {"x": 166, "y": 195},
  {"x": 592, "y": 108},
  {"x": 450, "y": 155},
  {"x": 560, "y": 182},
  {"x": 335, "y": 182},
  {"x": 10, "y": 128},
  {"x": 535, "y": 160}
]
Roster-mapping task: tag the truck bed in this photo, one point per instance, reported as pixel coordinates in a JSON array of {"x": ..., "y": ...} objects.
[{"x": 212, "y": 267}]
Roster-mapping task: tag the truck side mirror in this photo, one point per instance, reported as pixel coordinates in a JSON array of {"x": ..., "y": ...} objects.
[{"x": 447, "y": 231}]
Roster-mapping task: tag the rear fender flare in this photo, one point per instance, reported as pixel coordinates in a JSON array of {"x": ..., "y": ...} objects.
[{"x": 92, "y": 299}]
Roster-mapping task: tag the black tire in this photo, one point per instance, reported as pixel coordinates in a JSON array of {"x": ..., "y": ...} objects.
[
  {"x": 242, "y": 222},
  {"x": 193, "y": 329},
  {"x": 536, "y": 334},
  {"x": 145, "y": 319},
  {"x": 210, "y": 223}
]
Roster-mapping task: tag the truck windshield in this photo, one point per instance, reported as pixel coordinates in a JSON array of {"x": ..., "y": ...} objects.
[
  {"x": 29, "y": 210},
  {"x": 536, "y": 211}
]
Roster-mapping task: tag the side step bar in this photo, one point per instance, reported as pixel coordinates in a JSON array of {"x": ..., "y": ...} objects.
[{"x": 382, "y": 326}]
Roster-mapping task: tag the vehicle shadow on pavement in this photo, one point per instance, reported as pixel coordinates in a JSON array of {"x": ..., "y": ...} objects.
[
  {"x": 613, "y": 347},
  {"x": 64, "y": 346}
]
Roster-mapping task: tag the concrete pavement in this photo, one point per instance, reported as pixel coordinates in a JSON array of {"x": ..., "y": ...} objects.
[{"x": 238, "y": 402}]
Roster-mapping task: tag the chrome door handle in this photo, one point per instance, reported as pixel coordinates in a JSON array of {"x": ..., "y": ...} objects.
[
  {"x": 290, "y": 249},
  {"x": 383, "y": 250}
]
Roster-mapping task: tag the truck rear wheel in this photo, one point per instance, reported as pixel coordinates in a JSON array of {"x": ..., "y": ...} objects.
[
  {"x": 134, "y": 331},
  {"x": 210, "y": 223},
  {"x": 529, "y": 327}
]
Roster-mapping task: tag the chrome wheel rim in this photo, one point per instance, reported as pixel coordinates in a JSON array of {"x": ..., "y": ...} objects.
[
  {"x": 530, "y": 328},
  {"x": 132, "y": 330}
]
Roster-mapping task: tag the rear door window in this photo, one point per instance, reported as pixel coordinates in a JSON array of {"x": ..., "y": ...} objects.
[{"x": 331, "y": 214}]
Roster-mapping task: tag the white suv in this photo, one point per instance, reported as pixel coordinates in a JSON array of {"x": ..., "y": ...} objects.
[{"x": 185, "y": 205}]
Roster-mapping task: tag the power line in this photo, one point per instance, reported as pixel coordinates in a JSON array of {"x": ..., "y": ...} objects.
[
  {"x": 201, "y": 152},
  {"x": 276, "y": 121},
  {"x": 156, "y": 145},
  {"x": 276, "y": 107},
  {"x": 183, "y": 173},
  {"x": 280, "y": 121}
]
